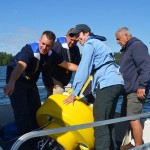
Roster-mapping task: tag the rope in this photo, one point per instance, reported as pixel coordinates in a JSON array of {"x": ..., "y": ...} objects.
[
  {"x": 33, "y": 134},
  {"x": 13, "y": 139}
]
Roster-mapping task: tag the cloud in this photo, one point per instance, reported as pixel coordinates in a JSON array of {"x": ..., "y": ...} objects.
[{"x": 13, "y": 42}]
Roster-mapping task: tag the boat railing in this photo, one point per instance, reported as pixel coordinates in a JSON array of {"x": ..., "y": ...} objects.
[{"x": 40, "y": 133}]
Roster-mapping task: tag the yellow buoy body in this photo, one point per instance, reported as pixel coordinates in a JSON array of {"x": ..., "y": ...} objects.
[{"x": 59, "y": 115}]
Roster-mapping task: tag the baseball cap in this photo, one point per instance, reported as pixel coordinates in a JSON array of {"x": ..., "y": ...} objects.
[{"x": 79, "y": 28}]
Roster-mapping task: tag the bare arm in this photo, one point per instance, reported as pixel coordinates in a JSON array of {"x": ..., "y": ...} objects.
[
  {"x": 20, "y": 67},
  {"x": 69, "y": 66}
]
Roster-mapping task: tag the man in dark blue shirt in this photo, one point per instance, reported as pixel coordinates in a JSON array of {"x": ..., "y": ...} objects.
[
  {"x": 22, "y": 73},
  {"x": 59, "y": 77},
  {"x": 135, "y": 68}
]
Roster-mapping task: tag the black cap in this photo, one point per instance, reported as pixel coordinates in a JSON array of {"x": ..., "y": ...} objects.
[{"x": 79, "y": 28}]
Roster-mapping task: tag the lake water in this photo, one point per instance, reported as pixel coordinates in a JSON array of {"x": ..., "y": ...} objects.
[{"x": 5, "y": 100}]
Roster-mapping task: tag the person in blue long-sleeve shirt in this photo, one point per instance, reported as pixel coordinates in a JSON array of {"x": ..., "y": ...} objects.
[
  {"x": 135, "y": 68},
  {"x": 107, "y": 83}
]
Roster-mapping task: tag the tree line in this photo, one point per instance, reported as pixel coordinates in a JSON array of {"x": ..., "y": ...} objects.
[
  {"x": 117, "y": 57},
  {"x": 5, "y": 58}
]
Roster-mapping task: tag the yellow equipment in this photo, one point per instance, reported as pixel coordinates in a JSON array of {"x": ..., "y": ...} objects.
[{"x": 54, "y": 112}]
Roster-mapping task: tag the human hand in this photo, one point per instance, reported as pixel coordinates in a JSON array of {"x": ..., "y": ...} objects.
[
  {"x": 9, "y": 88},
  {"x": 141, "y": 93},
  {"x": 70, "y": 99}
]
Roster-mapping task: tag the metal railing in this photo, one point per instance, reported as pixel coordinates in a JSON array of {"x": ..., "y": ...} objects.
[{"x": 33, "y": 134}]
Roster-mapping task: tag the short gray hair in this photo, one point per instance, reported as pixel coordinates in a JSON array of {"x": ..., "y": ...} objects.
[{"x": 124, "y": 30}]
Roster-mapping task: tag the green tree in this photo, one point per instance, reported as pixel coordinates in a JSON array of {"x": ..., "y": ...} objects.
[
  {"x": 5, "y": 58},
  {"x": 117, "y": 57}
]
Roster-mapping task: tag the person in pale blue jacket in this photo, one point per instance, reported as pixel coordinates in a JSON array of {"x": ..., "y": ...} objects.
[{"x": 107, "y": 83}]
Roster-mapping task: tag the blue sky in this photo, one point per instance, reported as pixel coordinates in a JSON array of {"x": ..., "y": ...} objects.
[{"x": 22, "y": 22}]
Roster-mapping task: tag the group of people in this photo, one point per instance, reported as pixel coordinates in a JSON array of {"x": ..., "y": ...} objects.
[{"x": 58, "y": 59}]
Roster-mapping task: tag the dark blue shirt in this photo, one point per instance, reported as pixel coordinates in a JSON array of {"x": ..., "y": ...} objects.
[
  {"x": 34, "y": 65},
  {"x": 135, "y": 65},
  {"x": 60, "y": 74}
]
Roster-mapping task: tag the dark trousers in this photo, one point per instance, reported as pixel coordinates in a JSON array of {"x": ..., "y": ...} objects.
[
  {"x": 25, "y": 101},
  {"x": 104, "y": 109}
]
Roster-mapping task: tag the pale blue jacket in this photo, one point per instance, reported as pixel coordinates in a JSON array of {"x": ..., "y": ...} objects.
[{"x": 96, "y": 53}]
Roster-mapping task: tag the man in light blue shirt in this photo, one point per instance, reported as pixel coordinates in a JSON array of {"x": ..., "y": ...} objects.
[{"x": 107, "y": 83}]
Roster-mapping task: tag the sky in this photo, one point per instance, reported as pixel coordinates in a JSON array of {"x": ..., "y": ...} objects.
[{"x": 22, "y": 22}]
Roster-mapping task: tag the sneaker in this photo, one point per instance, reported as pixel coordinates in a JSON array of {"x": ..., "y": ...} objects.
[{"x": 127, "y": 146}]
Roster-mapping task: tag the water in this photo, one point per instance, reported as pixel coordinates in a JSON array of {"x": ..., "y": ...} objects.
[{"x": 5, "y": 100}]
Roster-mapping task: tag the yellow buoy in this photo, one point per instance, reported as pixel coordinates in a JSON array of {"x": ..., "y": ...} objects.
[{"x": 60, "y": 115}]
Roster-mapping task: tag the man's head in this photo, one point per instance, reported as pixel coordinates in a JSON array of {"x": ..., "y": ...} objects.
[
  {"x": 123, "y": 35},
  {"x": 71, "y": 41},
  {"x": 46, "y": 42},
  {"x": 82, "y": 31}
]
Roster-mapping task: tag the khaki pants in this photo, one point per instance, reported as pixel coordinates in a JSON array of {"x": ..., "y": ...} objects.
[{"x": 57, "y": 89}]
